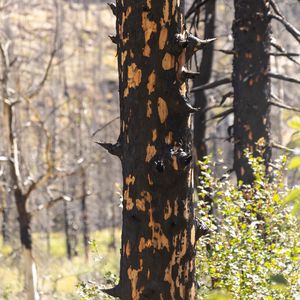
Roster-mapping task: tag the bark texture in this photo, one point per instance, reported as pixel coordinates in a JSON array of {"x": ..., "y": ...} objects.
[
  {"x": 158, "y": 233},
  {"x": 251, "y": 31},
  {"x": 205, "y": 70}
]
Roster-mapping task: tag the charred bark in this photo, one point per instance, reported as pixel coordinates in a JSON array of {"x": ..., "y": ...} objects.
[
  {"x": 158, "y": 232},
  {"x": 67, "y": 231},
  {"x": 251, "y": 83},
  {"x": 24, "y": 218},
  {"x": 84, "y": 215},
  {"x": 205, "y": 70}
]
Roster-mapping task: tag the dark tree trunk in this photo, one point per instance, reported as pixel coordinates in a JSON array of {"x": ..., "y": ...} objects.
[
  {"x": 84, "y": 215},
  {"x": 251, "y": 31},
  {"x": 5, "y": 216},
  {"x": 24, "y": 218},
  {"x": 67, "y": 231},
  {"x": 205, "y": 70},
  {"x": 158, "y": 232}
]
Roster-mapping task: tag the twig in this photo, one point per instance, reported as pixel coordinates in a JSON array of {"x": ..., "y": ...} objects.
[
  {"x": 103, "y": 127},
  {"x": 283, "y": 77},
  {"x": 279, "y": 103},
  {"x": 289, "y": 27}
]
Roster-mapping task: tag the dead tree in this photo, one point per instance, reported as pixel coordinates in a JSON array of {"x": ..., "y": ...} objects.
[
  {"x": 252, "y": 80},
  {"x": 251, "y": 83},
  {"x": 205, "y": 70},
  {"x": 159, "y": 230}
]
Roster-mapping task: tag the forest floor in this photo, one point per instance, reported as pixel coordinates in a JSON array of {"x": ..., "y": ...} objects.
[{"x": 59, "y": 277}]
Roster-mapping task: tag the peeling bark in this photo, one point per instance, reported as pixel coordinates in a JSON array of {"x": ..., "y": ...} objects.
[
  {"x": 251, "y": 83},
  {"x": 158, "y": 233}
]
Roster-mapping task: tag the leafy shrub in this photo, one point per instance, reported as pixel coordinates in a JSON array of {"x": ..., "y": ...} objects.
[{"x": 252, "y": 251}]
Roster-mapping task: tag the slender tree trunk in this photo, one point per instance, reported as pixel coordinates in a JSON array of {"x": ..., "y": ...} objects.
[
  {"x": 205, "y": 70},
  {"x": 5, "y": 215},
  {"x": 158, "y": 232},
  {"x": 251, "y": 64},
  {"x": 67, "y": 231},
  {"x": 84, "y": 215},
  {"x": 31, "y": 277}
]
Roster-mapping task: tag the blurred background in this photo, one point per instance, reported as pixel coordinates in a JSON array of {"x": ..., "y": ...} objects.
[{"x": 59, "y": 75}]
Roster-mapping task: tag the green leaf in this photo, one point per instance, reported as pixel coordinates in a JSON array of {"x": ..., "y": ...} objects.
[
  {"x": 294, "y": 163},
  {"x": 219, "y": 295},
  {"x": 278, "y": 279},
  {"x": 294, "y": 123},
  {"x": 292, "y": 196}
]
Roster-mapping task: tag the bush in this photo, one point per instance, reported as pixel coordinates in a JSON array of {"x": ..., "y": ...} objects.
[{"x": 253, "y": 248}]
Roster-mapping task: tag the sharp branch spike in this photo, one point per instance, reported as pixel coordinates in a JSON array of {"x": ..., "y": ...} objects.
[
  {"x": 195, "y": 44},
  {"x": 114, "y": 149},
  {"x": 114, "y": 39},
  {"x": 186, "y": 74},
  {"x": 113, "y": 8},
  {"x": 114, "y": 292}
]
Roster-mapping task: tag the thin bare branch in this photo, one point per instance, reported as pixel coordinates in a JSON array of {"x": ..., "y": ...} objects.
[
  {"x": 211, "y": 85},
  {"x": 283, "y": 77},
  {"x": 288, "y": 26}
]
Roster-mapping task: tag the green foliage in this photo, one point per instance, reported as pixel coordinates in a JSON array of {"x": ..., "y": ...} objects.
[
  {"x": 253, "y": 248},
  {"x": 294, "y": 164}
]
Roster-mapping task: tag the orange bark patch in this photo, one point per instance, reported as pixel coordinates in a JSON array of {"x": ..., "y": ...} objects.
[
  {"x": 140, "y": 205},
  {"x": 134, "y": 76},
  {"x": 162, "y": 110},
  {"x": 130, "y": 180},
  {"x": 166, "y": 12},
  {"x": 175, "y": 163},
  {"x": 169, "y": 138},
  {"x": 168, "y": 62},
  {"x": 154, "y": 135},
  {"x": 144, "y": 244},
  {"x": 149, "y": 27},
  {"x": 151, "y": 83},
  {"x": 128, "y": 249},
  {"x": 149, "y": 109},
  {"x": 163, "y": 36},
  {"x": 133, "y": 277},
  {"x": 168, "y": 211},
  {"x": 159, "y": 240},
  {"x": 150, "y": 152},
  {"x": 193, "y": 235},
  {"x": 150, "y": 180}
]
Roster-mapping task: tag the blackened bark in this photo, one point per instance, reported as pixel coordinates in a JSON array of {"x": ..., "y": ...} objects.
[
  {"x": 251, "y": 31},
  {"x": 5, "y": 216},
  {"x": 205, "y": 71},
  {"x": 84, "y": 215},
  {"x": 158, "y": 232},
  {"x": 24, "y": 218},
  {"x": 67, "y": 231}
]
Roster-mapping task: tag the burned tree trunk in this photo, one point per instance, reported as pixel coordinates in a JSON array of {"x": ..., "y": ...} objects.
[
  {"x": 158, "y": 232},
  {"x": 205, "y": 70},
  {"x": 251, "y": 31},
  {"x": 84, "y": 214}
]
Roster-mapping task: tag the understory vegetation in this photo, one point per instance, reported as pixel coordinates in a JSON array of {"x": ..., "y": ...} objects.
[{"x": 252, "y": 250}]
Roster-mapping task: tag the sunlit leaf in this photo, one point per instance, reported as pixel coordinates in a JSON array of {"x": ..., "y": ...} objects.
[
  {"x": 294, "y": 123},
  {"x": 293, "y": 195},
  {"x": 294, "y": 163}
]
